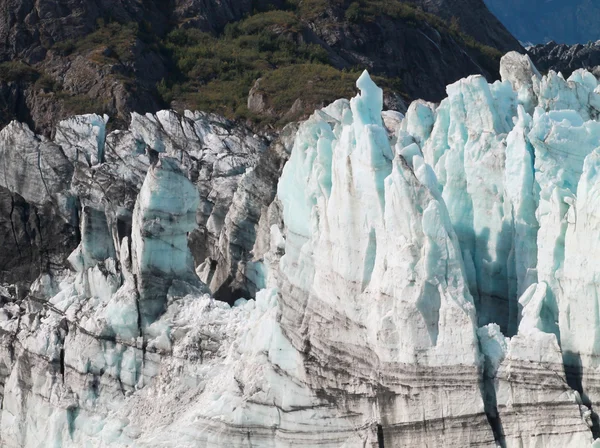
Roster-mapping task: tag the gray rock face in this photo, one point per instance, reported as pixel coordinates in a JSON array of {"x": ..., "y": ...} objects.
[
  {"x": 256, "y": 100},
  {"x": 475, "y": 19},
  {"x": 565, "y": 58},
  {"x": 424, "y": 58},
  {"x": 211, "y": 15},
  {"x": 28, "y": 28}
]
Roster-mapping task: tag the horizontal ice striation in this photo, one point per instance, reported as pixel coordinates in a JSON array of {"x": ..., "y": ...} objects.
[
  {"x": 517, "y": 165},
  {"x": 526, "y": 389},
  {"x": 428, "y": 280},
  {"x": 372, "y": 285}
]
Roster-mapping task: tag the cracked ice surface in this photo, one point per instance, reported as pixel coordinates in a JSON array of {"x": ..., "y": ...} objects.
[{"x": 433, "y": 275}]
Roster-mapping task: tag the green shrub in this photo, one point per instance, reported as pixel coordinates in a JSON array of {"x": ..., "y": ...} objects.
[
  {"x": 454, "y": 26},
  {"x": 311, "y": 9},
  {"x": 164, "y": 92},
  {"x": 46, "y": 83},
  {"x": 353, "y": 13},
  {"x": 82, "y": 104},
  {"x": 18, "y": 71},
  {"x": 282, "y": 19},
  {"x": 216, "y": 72},
  {"x": 65, "y": 47},
  {"x": 116, "y": 37},
  {"x": 313, "y": 83}
]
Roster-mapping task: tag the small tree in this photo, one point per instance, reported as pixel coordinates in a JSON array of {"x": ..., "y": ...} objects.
[
  {"x": 353, "y": 13},
  {"x": 454, "y": 25}
]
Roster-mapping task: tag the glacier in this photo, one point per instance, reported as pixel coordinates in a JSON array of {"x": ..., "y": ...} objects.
[{"x": 365, "y": 279}]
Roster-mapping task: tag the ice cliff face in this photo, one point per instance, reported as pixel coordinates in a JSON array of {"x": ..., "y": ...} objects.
[
  {"x": 428, "y": 280},
  {"x": 371, "y": 272}
]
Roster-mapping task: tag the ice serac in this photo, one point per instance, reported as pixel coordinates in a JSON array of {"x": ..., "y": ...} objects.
[
  {"x": 519, "y": 70},
  {"x": 372, "y": 286},
  {"x": 467, "y": 150},
  {"x": 164, "y": 214},
  {"x": 366, "y": 310},
  {"x": 82, "y": 138},
  {"x": 85, "y": 345},
  {"x": 37, "y": 219},
  {"x": 85, "y": 166},
  {"x": 516, "y": 163},
  {"x": 579, "y": 300}
]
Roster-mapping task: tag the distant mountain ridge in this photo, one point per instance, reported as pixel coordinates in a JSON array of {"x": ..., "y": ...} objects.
[{"x": 541, "y": 21}]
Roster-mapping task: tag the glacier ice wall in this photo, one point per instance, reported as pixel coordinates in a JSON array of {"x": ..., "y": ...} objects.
[
  {"x": 428, "y": 280},
  {"x": 372, "y": 275},
  {"x": 515, "y": 162}
]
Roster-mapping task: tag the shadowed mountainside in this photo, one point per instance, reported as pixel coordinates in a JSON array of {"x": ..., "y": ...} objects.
[{"x": 72, "y": 56}]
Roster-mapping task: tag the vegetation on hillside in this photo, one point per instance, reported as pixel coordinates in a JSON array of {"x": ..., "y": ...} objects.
[
  {"x": 215, "y": 72},
  {"x": 18, "y": 71},
  {"x": 113, "y": 39}
]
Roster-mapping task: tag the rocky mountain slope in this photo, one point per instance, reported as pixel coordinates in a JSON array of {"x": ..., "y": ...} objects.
[
  {"x": 425, "y": 280},
  {"x": 64, "y": 58},
  {"x": 475, "y": 18},
  {"x": 566, "y": 58},
  {"x": 541, "y": 21}
]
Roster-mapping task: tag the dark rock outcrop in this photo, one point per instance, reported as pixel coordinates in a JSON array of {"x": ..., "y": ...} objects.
[
  {"x": 475, "y": 19},
  {"x": 29, "y": 28},
  {"x": 425, "y": 58},
  {"x": 565, "y": 58}
]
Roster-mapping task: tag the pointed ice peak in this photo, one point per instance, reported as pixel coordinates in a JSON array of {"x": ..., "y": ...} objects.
[
  {"x": 518, "y": 69},
  {"x": 365, "y": 83},
  {"x": 523, "y": 119},
  {"x": 585, "y": 78},
  {"x": 367, "y": 106}
]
